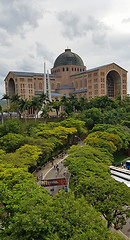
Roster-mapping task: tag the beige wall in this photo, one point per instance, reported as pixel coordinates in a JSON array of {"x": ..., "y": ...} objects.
[
  {"x": 65, "y": 72},
  {"x": 94, "y": 81}
]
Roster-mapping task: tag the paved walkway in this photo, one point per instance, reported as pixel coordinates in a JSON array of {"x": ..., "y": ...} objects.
[{"x": 42, "y": 173}]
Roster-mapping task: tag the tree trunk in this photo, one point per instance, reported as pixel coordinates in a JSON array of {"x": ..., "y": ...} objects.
[
  {"x": 57, "y": 110},
  {"x": 35, "y": 117}
]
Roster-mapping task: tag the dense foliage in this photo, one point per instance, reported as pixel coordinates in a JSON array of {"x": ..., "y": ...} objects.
[
  {"x": 91, "y": 177},
  {"x": 95, "y": 200}
]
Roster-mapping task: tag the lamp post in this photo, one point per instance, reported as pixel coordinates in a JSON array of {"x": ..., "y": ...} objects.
[
  {"x": 81, "y": 142},
  {"x": 78, "y": 137}
]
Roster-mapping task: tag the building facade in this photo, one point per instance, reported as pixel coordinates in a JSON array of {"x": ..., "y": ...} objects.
[{"x": 70, "y": 76}]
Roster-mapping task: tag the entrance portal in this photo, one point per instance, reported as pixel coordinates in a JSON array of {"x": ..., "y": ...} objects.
[
  {"x": 11, "y": 87},
  {"x": 113, "y": 84}
]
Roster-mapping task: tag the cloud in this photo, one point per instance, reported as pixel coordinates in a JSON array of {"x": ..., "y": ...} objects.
[
  {"x": 43, "y": 52},
  {"x": 126, "y": 20},
  {"x": 71, "y": 24},
  {"x": 27, "y": 63},
  {"x": 16, "y": 15},
  {"x": 3, "y": 73},
  {"x": 4, "y": 38},
  {"x": 72, "y": 27}
]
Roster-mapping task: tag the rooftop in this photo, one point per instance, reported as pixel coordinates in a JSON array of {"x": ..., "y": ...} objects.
[
  {"x": 68, "y": 58},
  {"x": 31, "y": 74},
  {"x": 79, "y": 91}
]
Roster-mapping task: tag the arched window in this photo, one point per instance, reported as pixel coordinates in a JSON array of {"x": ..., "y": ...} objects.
[
  {"x": 85, "y": 83},
  {"x": 80, "y": 83},
  {"x": 63, "y": 69},
  {"x": 40, "y": 85}
]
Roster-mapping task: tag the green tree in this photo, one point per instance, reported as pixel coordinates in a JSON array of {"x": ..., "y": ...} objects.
[
  {"x": 115, "y": 116},
  {"x": 106, "y": 140},
  {"x": 69, "y": 104},
  {"x": 26, "y": 156},
  {"x": 109, "y": 197},
  {"x": 11, "y": 126},
  {"x": 6, "y": 97},
  {"x": 76, "y": 123},
  {"x": 56, "y": 105},
  {"x": 74, "y": 102},
  {"x": 122, "y": 131},
  {"x": 83, "y": 102},
  {"x": 91, "y": 177},
  {"x": 91, "y": 117},
  {"x": 59, "y": 218},
  {"x": 103, "y": 102},
  {"x": 24, "y": 105},
  {"x": 101, "y": 143},
  {"x": 45, "y": 112},
  {"x": 36, "y": 105},
  {"x": 11, "y": 141},
  {"x": 43, "y": 99},
  {"x": 15, "y": 103},
  {"x": 63, "y": 116},
  {"x": 2, "y": 154}
]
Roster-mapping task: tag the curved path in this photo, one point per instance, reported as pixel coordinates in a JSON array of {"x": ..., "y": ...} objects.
[{"x": 50, "y": 172}]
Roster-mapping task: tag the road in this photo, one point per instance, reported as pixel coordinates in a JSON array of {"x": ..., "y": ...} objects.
[
  {"x": 54, "y": 174},
  {"x": 49, "y": 172}
]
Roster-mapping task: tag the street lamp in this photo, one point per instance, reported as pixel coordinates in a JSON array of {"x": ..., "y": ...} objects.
[
  {"x": 81, "y": 142},
  {"x": 78, "y": 137}
]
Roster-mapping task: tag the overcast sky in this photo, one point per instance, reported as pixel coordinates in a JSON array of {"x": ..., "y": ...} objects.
[{"x": 36, "y": 31}]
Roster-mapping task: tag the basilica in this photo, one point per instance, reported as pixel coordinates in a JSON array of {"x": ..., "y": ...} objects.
[{"x": 69, "y": 75}]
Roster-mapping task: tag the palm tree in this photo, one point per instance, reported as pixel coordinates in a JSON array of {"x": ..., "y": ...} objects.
[
  {"x": 15, "y": 99},
  {"x": 74, "y": 101},
  {"x": 64, "y": 99},
  {"x": 83, "y": 101},
  {"x": 36, "y": 104},
  {"x": 45, "y": 112},
  {"x": 65, "y": 103},
  {"x": 24, "y": 105},
  {"x": 5, "y": 96},
  {"x": 43, "y": 98},
  {"x": 56, "y": 105}
]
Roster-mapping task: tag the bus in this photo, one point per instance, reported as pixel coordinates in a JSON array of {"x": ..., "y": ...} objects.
[{"x": 127, "y": 164}]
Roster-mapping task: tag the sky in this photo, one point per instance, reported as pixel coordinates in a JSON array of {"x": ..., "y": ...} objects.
[{"x": 37, "y": 31}]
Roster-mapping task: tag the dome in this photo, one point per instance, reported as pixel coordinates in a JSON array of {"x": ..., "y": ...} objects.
[{"x": 68, "y": 58}]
